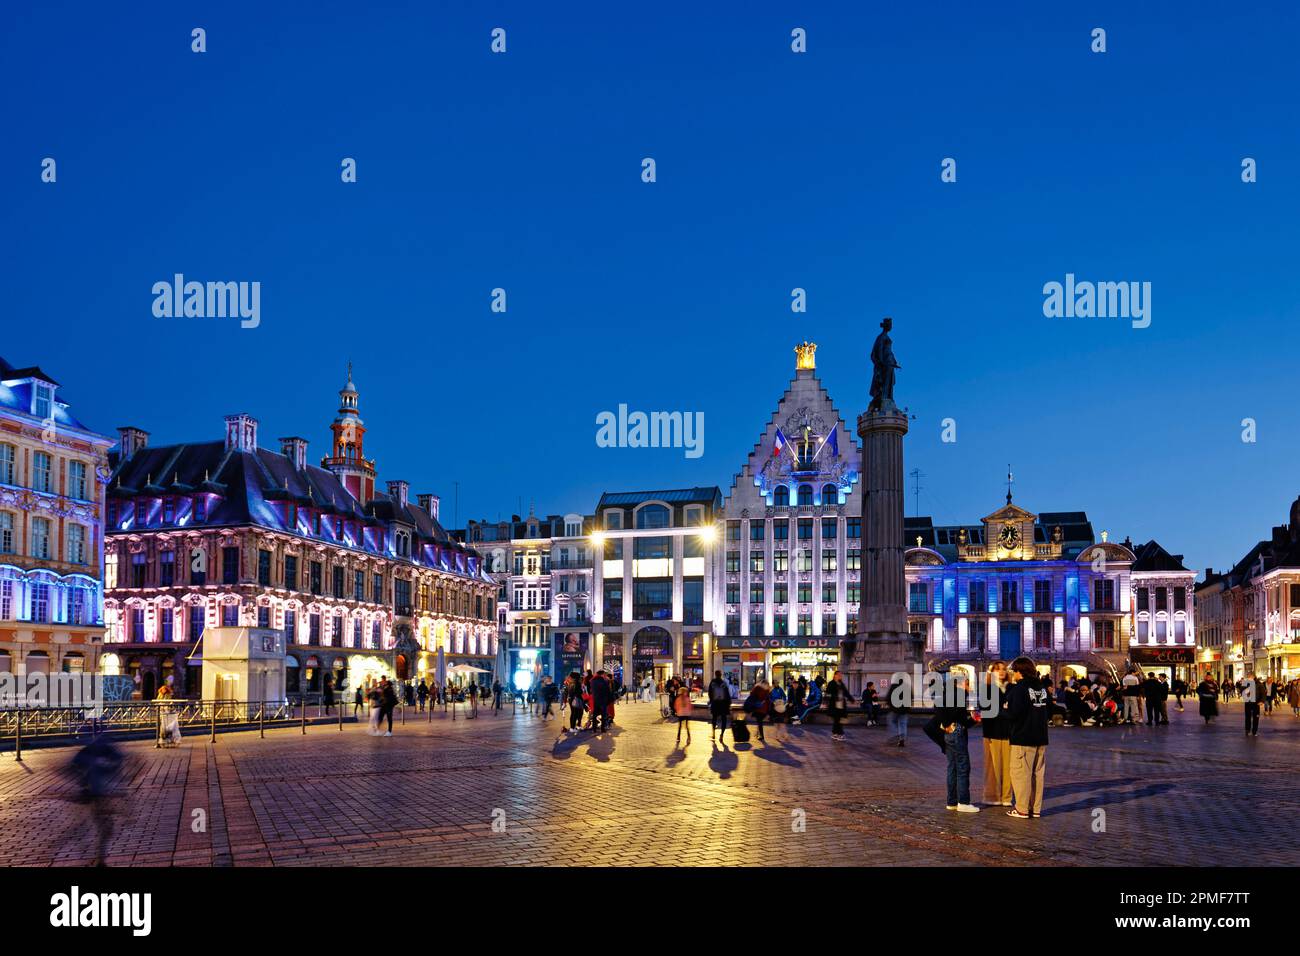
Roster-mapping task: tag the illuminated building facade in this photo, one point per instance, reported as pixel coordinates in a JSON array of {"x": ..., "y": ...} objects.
[
  {"x": 654, "y": 582},
  {"x": 1020, "y": 583},
  {"x": 1164, "y": 613},
  {"x": 791, "y": 556},
  {"x": 542, "y": 569},
  {"x": 229, "y": 533},
  {"x": 1251, "y": 613},
  {"x": 52, "y": 474}
]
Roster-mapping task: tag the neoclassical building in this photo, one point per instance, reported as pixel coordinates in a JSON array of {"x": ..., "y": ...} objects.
[
  {"x": 229, "y": 533},
  {"x": 52, "y": 474},
  {"x": 1164, "y": 613},
  {"x": 1020, "y": 583}
]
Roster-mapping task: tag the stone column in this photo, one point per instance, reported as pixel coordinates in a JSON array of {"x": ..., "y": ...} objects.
[{"x": 883, "y": 646}]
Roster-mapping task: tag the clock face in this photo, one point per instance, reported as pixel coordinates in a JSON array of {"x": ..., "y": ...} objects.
[{"x": 1010, "y": 536}]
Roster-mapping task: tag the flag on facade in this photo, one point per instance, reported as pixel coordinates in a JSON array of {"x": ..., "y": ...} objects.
[
  {"x": 833, "y": 439},
  {"x": 778, "y": 446}
]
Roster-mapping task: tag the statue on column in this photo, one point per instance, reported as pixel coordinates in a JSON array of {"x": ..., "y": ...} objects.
[{"x": 883, "y": 364}]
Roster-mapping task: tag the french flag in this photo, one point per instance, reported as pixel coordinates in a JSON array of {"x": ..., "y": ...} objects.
[{"x": 778, "y": 446}]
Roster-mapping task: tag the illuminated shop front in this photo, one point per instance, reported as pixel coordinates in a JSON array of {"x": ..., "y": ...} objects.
[
  {"x": 1172, "y": 662},
  {"x": 748, "y": 660}
]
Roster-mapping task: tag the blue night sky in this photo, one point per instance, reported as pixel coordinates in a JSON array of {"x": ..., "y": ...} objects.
[{"x": 775, "y": 170}]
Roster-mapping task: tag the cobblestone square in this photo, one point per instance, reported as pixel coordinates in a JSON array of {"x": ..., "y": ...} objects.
[{"x": 514, "y": 790}]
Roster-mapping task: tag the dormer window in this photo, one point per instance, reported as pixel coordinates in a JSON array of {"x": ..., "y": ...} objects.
[
  {"x": 201, "y": 508},
  {"x": 403, "y": 544},
  {"x": 42, "y": 399}
]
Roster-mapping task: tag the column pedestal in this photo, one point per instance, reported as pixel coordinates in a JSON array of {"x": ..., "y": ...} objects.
[{"x": 883, "y": 645}]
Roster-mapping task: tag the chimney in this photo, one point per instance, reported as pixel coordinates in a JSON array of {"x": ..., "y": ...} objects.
[
  {"x": 241, "y": 432},
  {"x": 131, "y": 440},
  {"x": 295, "y": 449},
  {"x": 400, "y": 491},
  {"x": 430, "y": 504}
]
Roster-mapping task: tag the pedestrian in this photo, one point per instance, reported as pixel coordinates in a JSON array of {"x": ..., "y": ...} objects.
[
  {"x": 602, "y": 700},
  {"x": 1293, "y": 696},
  {"x": 838, "y": 699},
  {"x": 1179, "y": 687},
  {"x": 549, "y": 693},
  {"x": 1132, "y": 696},
  {"x": 869, "y": 705},
  {"x": 573, "y": 695},
  {"x": 719, "y": 705},
  {"x": 683, "y": 708},
  {"x": 757, "y": 705},
  {"x": 1151, "y": 693},
  {"x": 1162, "y": 700},
  {"x": 1027, "y": 709},
  {"x": 776, "y": 697},
  {"x": 422, "y": 694},
  {"x": 95, "y": 767},
  {"x": 997, "y": 733},
  {"x": 389, "y": 703},
  {"x": 1208, "y": 695},
  {"x": 357, "y": 700},
  {"x": 955, "y": 721},
  {"x": 1251, "y": 692},
  {"x": 897, "y": 703},
  {"x": 328, "y": 695},
  {"x": 812, "y": 702}
]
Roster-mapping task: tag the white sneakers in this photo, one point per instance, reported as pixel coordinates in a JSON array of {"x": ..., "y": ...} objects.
[{"x": 964, "y": 808}]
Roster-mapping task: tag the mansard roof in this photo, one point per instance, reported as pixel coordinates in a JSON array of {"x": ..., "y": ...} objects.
[
  {"x": 1076, "y": 532},
  {"x": 248, "y": 484},
  {"x": 16, "y": 395},
  {"x": 1151, "y": 557}
]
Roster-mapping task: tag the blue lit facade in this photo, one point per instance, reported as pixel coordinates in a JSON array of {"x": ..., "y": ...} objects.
[
  {"x": 52, "y": 474},
  {"x": 1019, "y": 583}
]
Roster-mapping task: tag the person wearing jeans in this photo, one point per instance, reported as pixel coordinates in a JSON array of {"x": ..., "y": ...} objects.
[
  {"x": 954, "y": 720},
  {"x": 1250, "y": 695},
  {"x": 897, "y": 700}
]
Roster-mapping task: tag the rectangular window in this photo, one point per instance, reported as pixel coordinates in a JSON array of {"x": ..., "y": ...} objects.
[
  {"x": 733, "y": 562},
  {"x": 1143, "y": 599},
  {"x": 1104, "y": 635},
  {"x": 166, "y": 620},
  {"x": 805, "y": 529},
  {"x": 733, "y": 593},
  {"x": 780, "y": 594},
  {"x": 1009, "y": 593},
  {"x": 756, "y": 564},
  {"x": 780, "y": 561},
  {"x": 198, "y": 618},
  {"x": 6, "y": 532},
  {"x": 1043, "y": 596},
  {"x": 40, "y": 538},
  {"x": 359, "y": 587},
  {"x": 756, "y": 530},
  {"x": 1162, "y": 632},
  {"x": 6, "y": 465},
  {"x": 291, "y": 572},
  {"x": 338, "y": 582},
  {"x": 780, "y": 530},
  {"x": 853, "y": 592},
  {"x": 169, "y": 511},
  {"x": 1043, "y": 635},
  {"x": 376, "y": 636},
  {"x": 1180, "y": 631},
  {"x": 1103, "y": 592},
  {"x": 829, "y": 561},
  {"x": 917, "y": 595},
  {"x": 315, "y": 571},
  {"x": 756, "y": 593},
  {"x": 979, "y": 599},
  {"x": 853, "y": 527},
  {"x": 263, "y": 616},
  {"x": 805, "y": 593},
  {"x": 264, "y": 567},
  {"x": 76, "y": 550},
  {"x": 829, "y": 528},
  {"x": 313, "y": 625},
  {"x": 613, "y": 601},
  {"x": 77, "y": 480},
  {"x": 402, "y": 598},
  {"x": 1162, "y": 599},
  {"x": 42, "y": 400},
  {"x": 230, "y": 565},
  {"x": 977, "y": 634},
  {"x": 40, "y": 603},
  {"x": 733, "y": 530},
  {"x": 828, "y": 593},
  {"x": 42, "y": 469},
  {"x": 804, "y": 562},
  {"x": 1180, "y": 599},
  {"x": 377, "y": 583},
  {"x": 230, "y": 615},
  {"x": 805, "y": 625},
  {"x": 756, "y": 623},
  {"x": 138, "y": 569},
  {"x": 780, "y": 625},
  {"x": 853, "y": 559},
  {"x": 291, "y": 626},
  {"x": 201, "y": 508}
]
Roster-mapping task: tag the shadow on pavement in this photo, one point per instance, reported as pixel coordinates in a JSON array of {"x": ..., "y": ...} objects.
[{"x": 723, "y": 761}]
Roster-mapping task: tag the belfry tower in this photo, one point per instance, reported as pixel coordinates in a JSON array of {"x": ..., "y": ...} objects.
[{"x": 346, "y": 458}]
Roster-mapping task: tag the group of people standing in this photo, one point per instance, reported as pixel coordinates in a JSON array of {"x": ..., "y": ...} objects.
[{"x": 592, "y": 695}]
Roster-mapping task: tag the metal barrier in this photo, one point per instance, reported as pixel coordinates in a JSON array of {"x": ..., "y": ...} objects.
[{"x": 23, "y": 724}]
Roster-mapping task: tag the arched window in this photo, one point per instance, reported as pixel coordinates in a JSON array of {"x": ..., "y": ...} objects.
[
  {"x": 830, "y": 495},
  {"x": 781, "y": 497},
  {"x": 805, "y": 495},
  {"x": 653, "y": 516}
]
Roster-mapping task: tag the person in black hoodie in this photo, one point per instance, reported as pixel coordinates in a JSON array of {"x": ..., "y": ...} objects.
[{"x": 1028, "y": 712}]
